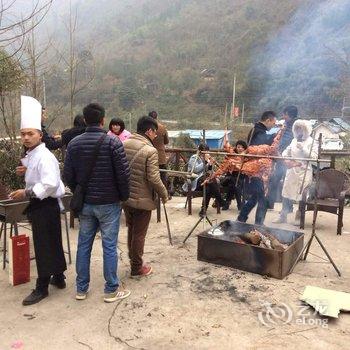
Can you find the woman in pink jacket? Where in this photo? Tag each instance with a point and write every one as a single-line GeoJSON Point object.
{"type": "Point", "coordinates": [117, 128]}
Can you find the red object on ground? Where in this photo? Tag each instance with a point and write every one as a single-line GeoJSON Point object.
{"type": "Point", "coordinates": [19, 260]}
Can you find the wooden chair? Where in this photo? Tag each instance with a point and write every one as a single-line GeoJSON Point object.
{"type": "Point", "coordinates": [194, 194]}
{"type": "Point", "coordinates": [330, 195]}
{"type": "Point", "coordinates": [3, 192]}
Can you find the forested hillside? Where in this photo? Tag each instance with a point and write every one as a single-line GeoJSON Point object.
{"type": "Point", "coordinates": [179, 56]}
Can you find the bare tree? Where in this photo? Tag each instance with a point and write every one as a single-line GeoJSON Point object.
{"type": "Point", "coordinates": [14, 33]}
{"type": "Point", "coordinates": [12, 79]}
{"type": "Point", "coordinates": [14, 28]}
{"type": "Point", "coordinates": [341, 57]}
{"type": "Point", "coordinates": [78, 63]}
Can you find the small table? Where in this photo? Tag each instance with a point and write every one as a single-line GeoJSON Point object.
{"type": "Point", "coordinates": [11, 212]}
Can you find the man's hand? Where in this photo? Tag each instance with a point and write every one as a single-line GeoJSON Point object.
{"type": "Point", "coordinates": [18, 195]}
{"type": "Point", "coordinates": [164, 200]}
{"type": "Point", "coordinates": [205, 182]}
{"type": "Point", "coordinates": [21, 170]}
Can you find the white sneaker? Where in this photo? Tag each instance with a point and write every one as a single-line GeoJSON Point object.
{"type": "Point", "coordinates": [117, 295]}
{"type": "Point", "coordinates": [81, 295]}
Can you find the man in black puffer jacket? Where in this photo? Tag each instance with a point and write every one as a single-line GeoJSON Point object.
{"type": "Point", "coordinates": [78, 128]}
{"type": "Point", "coordinates": [107, 186]}
{"type": "Point", "coordinates": [256, 193]}
{"type": "Point", "coordinates": [258, 134]}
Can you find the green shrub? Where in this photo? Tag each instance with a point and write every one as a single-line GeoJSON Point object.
{"type": "Point", "coordinates": [10, 156]}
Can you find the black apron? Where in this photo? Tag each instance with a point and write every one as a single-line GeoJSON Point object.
{"type": "Point", "coordinates": [44, 216]}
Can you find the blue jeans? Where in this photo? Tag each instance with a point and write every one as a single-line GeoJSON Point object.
{"type": "Point", "coordinates": [257, 196]}
{"type": "Point", "coordinates": [287, 207]}
{"type": "Point", "coordinates": [106, 218]}
{"type": "Point", "coordinates": [279, 172]}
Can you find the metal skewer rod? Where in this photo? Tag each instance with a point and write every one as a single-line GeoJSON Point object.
{"type": "Point", "coordinates": [184, 173]}
{"type": "Point", "coordinates": [268, 157]}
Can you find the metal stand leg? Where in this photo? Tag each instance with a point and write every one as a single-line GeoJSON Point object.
{"type": "Point", "coordinates": [204, 217]}
{"type": "Point", "coordinates": [5, 248]}
{"type": "Point", "coordinates": [307, 246]}
{"type": "Point", "coordinates": [328, 256]}
{"type": "Point", "coordinates": [15, 226]}
{"type": "Point", "coordinates": [193, 228]}
{"type": "Point", "coordinates": [67, 236]}
{"type": "Point", "coordinates": [1, 229]}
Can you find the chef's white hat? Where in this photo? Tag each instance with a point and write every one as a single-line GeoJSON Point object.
{"type": "Point", "coordinates": [30, 113]}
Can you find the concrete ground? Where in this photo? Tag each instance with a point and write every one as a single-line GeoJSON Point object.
{"type": "Point", "coordinates": [185, 303]}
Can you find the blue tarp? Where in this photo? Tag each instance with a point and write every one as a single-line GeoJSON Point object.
{"type": "Point", "coordinates": [214, 138]}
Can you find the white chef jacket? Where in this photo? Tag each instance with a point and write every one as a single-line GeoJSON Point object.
{"type": "Point", "coordinates": [43, 173]}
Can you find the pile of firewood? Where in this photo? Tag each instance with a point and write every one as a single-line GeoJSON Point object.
{"type": "Point", "coordinates": [264, 240]}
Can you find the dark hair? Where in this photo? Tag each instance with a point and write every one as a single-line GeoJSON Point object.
{"type": "Point", "coordinates": [267, 115]}
{"type": "Point", "coordinates": [153, 114]}
{"type": "Point", "coordinates": [242, 143]}
{"type": "Point", "coordinates": [93, 113]}
{"type": "Point", "coordinates": [203, 147]}
{"type": "Point", "coordinates": [117, 121]}
{"type": "Point", "coordinates": [145, 123]}
{"type": "Point", "coordinates": [292, 111]}
{"type": "Point", "coordinates": [79, 120]}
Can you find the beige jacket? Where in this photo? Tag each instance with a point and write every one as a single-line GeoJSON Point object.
{"type": "Point", "coordinates": [145, 180]}
{"type": "Point", "coordinates": [160, 141]}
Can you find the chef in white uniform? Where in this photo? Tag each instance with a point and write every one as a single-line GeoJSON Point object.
{"type": "Point", "coordinates": [44, 189]}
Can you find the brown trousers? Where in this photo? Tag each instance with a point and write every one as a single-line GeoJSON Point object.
{"type": "Point", "coordinates": [137, 221]}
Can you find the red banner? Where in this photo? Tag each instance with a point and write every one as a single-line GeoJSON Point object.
{"type": "Point", "coordinates": [235, 112]}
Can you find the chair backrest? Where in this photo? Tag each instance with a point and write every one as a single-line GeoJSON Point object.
{"type": "Point", "coordinates": [331, 183]}
{"type": "Point", "coordinates": [3, 192]}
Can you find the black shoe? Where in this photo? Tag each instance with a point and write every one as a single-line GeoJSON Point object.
{"type": "Point", "coordinates": [225, 206]}
{"type": "Point", "coordinates": [34, 297]}
{"type": "Point", "coordinates": [58, 281]}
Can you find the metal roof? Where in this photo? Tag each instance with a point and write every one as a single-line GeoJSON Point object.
{"type": "Point", "coordinates": [198, 134]}
{"type": "Point", "coordinates": [340, 122]}
{"type": "Point", "coordinates": [335, 129]}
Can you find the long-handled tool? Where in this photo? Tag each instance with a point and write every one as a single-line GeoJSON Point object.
{"type": "Point", "coordinates": [167, 225]}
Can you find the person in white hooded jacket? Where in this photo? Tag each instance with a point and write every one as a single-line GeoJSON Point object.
{"type": "Point", "coordinates": [302, 146]}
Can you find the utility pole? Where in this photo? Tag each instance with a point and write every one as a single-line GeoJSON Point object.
{"type": "Point", "coordinates": [233, 97]}
{"type": "Point", "coordinates": [225, 117]}
{"type": "Point", "coordinates": [242, 113]}
{"type": "Point", "coordinates": [44, 91]}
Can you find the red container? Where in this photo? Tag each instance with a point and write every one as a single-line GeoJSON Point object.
{"type": "Point", "coordinates": [19, 260]}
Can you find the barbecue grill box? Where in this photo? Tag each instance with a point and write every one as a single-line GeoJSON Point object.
{"type": "Point", "coordinates": [222, 250]}
{"type": "Point", "coordinates": [12, 211]}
